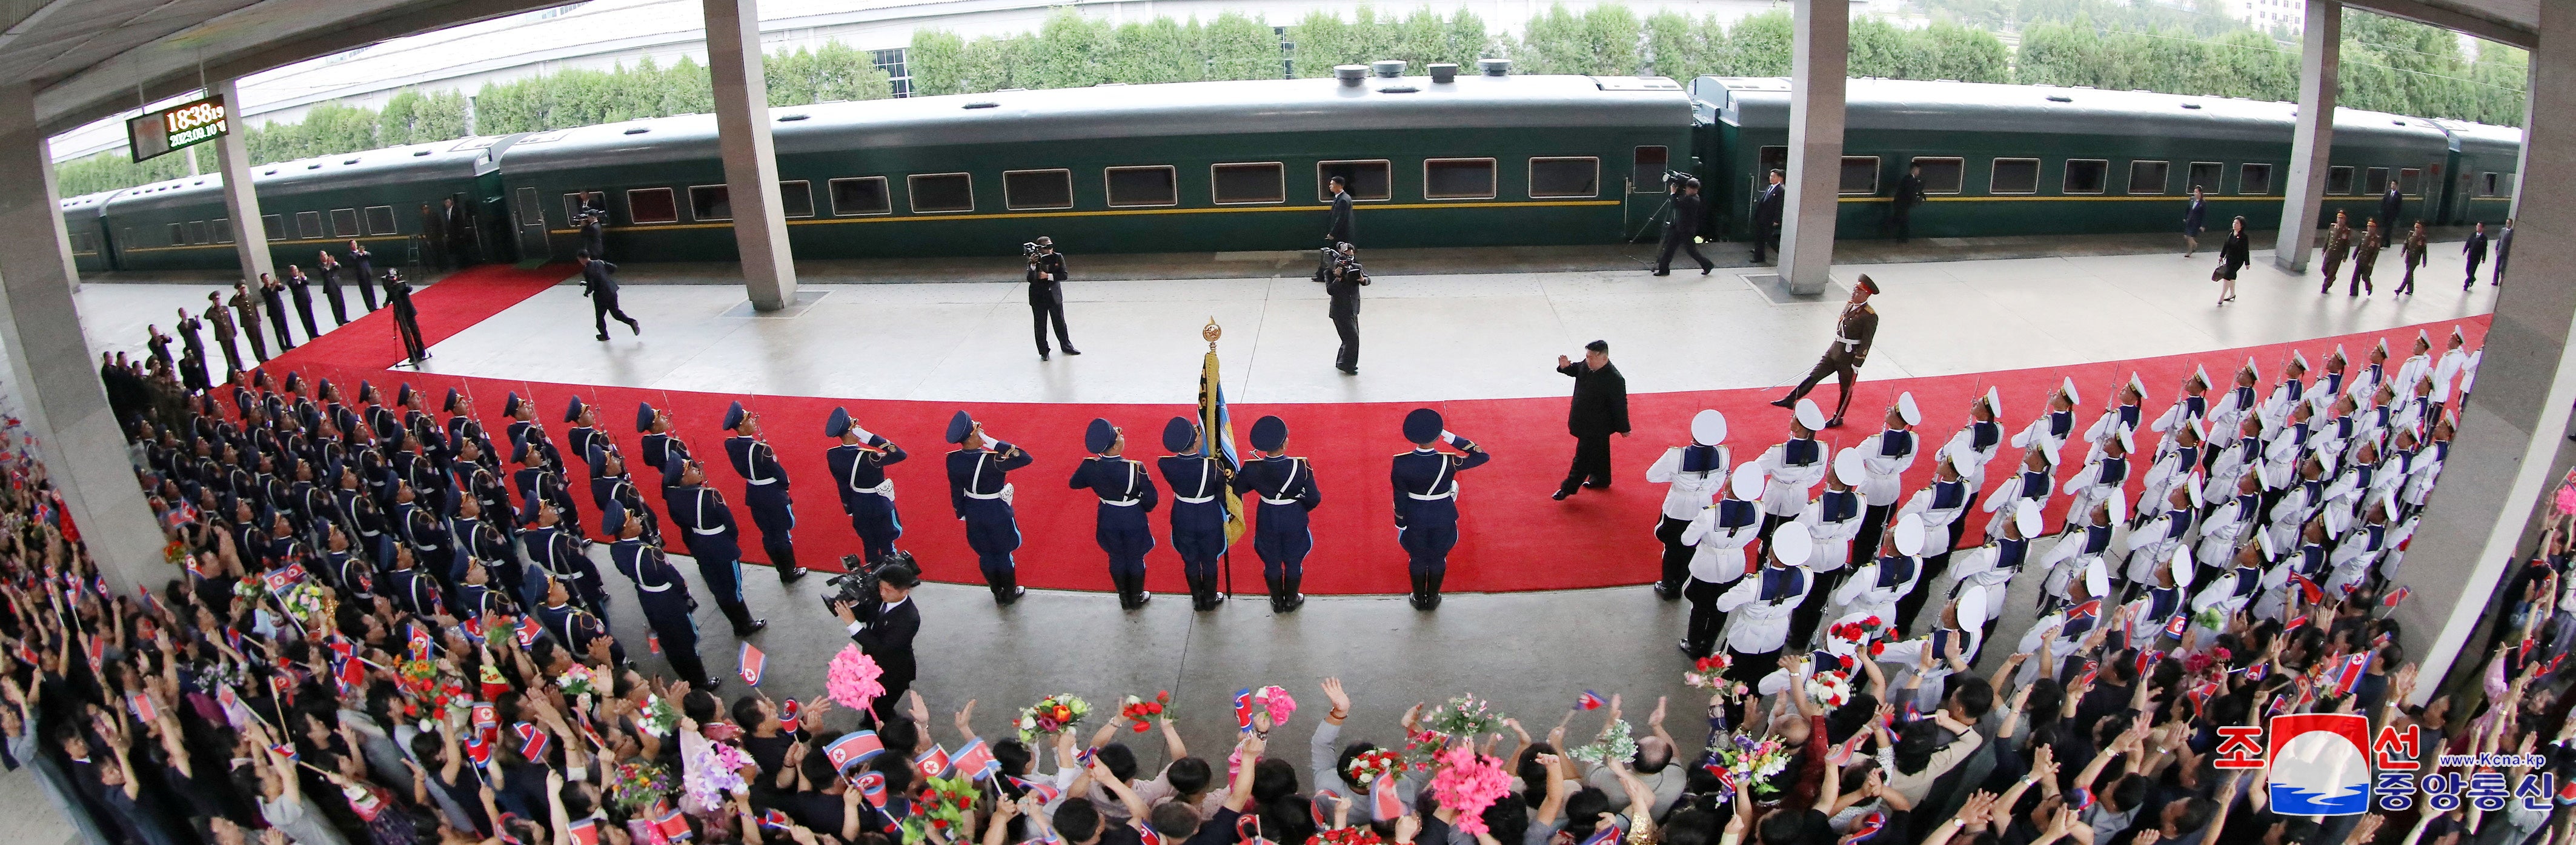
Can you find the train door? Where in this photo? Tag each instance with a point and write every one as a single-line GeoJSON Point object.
{"type": "Point", "coordinates": [529, 217]}
{"type": "Point", "coordinates": [1642, 205]}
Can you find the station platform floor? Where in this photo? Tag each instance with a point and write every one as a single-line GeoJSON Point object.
{"type": "Point", "coordinates": [1949, 327]}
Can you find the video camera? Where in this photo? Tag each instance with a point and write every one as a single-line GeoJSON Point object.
{"type": "Point", "coordinates": [1675, 180]}
{"type": "Point", "coordinates": [856, 586]}
{"type": "Point", "coordinates": [1028, 250]}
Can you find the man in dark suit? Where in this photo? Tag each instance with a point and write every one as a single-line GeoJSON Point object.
{"type": "Point", "coordinates": [1345, 278]}
{"type": "Point", "coordinates": [600, 284]}
{"type": "Point", "coordinates": [460, 234]}
{"type": "Point", "coordinates": [2389, 204]}
{"type": "Point", "coordinates": [2476, 250]}
{"type": "Point", "coordinates": [594, 224]}
{"type": "Point", "coordinates": [1766, 216]}
{"type": "Point", "coordinates": [1600, 409]}
{"type": "Point", "coordinates": [1909, 193]}
{"type": "Point", "coordinates": [1046, 295]}
{"type": "Point", "coordinates": [886, 635]}
{"type": "Point", "coordinates": [1337, 226]}
{"type": "Point", "coordinates": [1682, 231]}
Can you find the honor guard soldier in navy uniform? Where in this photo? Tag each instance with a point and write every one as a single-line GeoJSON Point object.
{"type": "Point", "coordinates": [1694, 473]}
{"type": "Point", "coordinates": [612, 484]}
{"type": "Point", "coordinates": [764, 490]}
{"type": "Point", "coordinates": [576, 627]}
{"type": "Point", "coordinates": [1425, 483]}
{"type": "Point", "coordinates": [537, 480]}
{"type": "Point", "coordinates": [552, 551]}
{"type": "Point", "coordinates": [1287, 489]}
{"type": "Point", "coordinates": [707, 530]}
{"type": "Point", "coordinates": [660, 591]}
{"type": "Point", "coordinates": [463, 427]}
{"type": "Point", "coordinates": [658, 447]}
{"type": "Point", "coordinates": [584, 435]}
{"type": "Point", "coordinates": [477, 539]}
{"type": "Point", "coordinates": [413, 589]}
{"type": "Point", "coordinates": [1127, 496]}
{"type": "Point", "coordinates": [858, 472]}
{"type": "Point", "coordinates": [524, 427]}
{"type": "Point", "coordinates": [1198, 479]}
{"type": "Point", "coordinates": [979, 488]}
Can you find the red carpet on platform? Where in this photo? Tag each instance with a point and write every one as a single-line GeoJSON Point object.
{"type": "Point", "coordinates": [1513, 536]}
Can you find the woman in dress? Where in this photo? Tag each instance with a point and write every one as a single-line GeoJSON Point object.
{"type": "Point", "coordinates": [2231, 258]}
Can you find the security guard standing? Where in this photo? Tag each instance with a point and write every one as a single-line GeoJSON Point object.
{"type": "Point", "coordinates": [1343, 279]}
{"type": "Point", "coordinates": [1287, 489]}
{"type": "Point", "coordinates": [1197, 478]}
{"type": "Point", "coordinates": [764, 490]}
{"type": "Point", "coordinates": [1046, 295]}
{"type": "Point", "coordinates": [979, 487]}
{"type": "Point", "coordinates": [1853, 332]}
{"type": "Point", "coordinates": [1425, 483]}
{"type": "Point", "coordinates": [1767, 210]}
{"type": "Point", "coordinates": [858, 472]}
{"type": "Point", "coordinates": [707, 530]}
{"type": "Point", "coordinates": [1127, 495]}
{"type": "Point", "coordinates": [660, 591]}
{"type": "Point", "coordinates": [1682, 230]}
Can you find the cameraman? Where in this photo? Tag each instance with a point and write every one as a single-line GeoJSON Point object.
{"type": "Point", "coordinates": [884, 630]}
{"type": "Point", "coordinates": [592, 220]}
{"type": "Point", "coordinates": [1682, 230]}
{"type": "Point", "coordinates": [1046, 293]}
{"type": "Point", "coordinates": [1343, 279]}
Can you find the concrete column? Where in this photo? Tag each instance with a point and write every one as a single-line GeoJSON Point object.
{"type": "Point", "coordinates": [241, 203]}
{"type": "Point", "coordinates": [2508, 437]}
{"type": "Point", "coordinates": [2320, 52]}
{"type": "Point", "coordinates": [51, 370]}
{"type": "Point", "coordinates": [2522, 159]}
{"type": "Point", "coordinates": [1818, 59]}
{"type": "Point", "coordinates": [750, 161]}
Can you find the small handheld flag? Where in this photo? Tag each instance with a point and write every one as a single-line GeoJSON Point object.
{"type": "Point", "coordinates": [2395, 596]}
{"type": "Point", "coordinates": [528, 630]}
{"type": "Point", "coordinates": [1384, 804]}
{"type": "Point", "coordinates": [1044, 792]}
{"type": "Point", "coordinates": [853, 748]}
{"type": "Point", "coordinates": [872, 786]}
{"type": "Point", "coordinates": [753, 661]}
{"type": "Point", "coordinates": [788, 713]}
{"type": "Point", "coordinates": [932, 763]}
{"type": "Point", "coordinates": [1590, 701]}
{"type": "Point", "coordinates": [2175, 626]}
{"type": "Point", "coordinates": [976, 760]}
{"type": "Point", "coordinates": [673, 826]}
{"type": "Point", "coordinates": [1243, 707]}
{"type": "Point", "coordinates": [653, 643]}
{"type": "Point", "coordinates": [776, 819]}
{"type": "Point", "coordinates": [478, 749]}
{"type": "Point", "coordinates": [533, 741]}
{"type": "Point", "coordinates": [584, 832]}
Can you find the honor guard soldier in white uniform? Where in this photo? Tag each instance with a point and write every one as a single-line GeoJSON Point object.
{"type": "Point", "coordinates": [2152, 616]}
{"type": "Point", "coordinates": [2083, 542]}
{"type": "Point", "coordinates": [707, 530]}
{"type": "Point", "coordinates": [1831, 520]}
{"type": "Point", "coordinates": [2105, 475]}
{"type": "Point", "coordinates": [1286, 489]}
{"type": "Point", "coordinates": [1693, 475]}
{"type": "Point", "coordinates": [1719, 533]}
{"type": "Point", "coordinates": [1874, 588]}
{"type": "Point", "coordinates": [2304, 497]}
{"type": "Point", "coordinates": [2191, 406]}
{"type": "Point", "coordinates": [1953, 644]}
{"type": "Point", "coordinates": [2373, 374]}
{"type": "Point", "coordinates": [1425, 484]}
{"type": "Point", "coordinates": [1758, 606]}
{"type": "Point", "coordinates": [2063, 630]}
{"type": "Point", "coordinates": [2241, 458]}
{"type": "Point", "coordinates": [2357, 552]}
{"type": "Point", "coordinates": [2329, 385]}
{"type": "Point", "coordinates": [2034, 484]}
{"type": "Point", "coordinates": [858, 465]}
{"type": "Point", "coordinates": [764, 490]}
{"type": "Point", "coordinates": [2231, 592]}
{"type": "Point", "coordinates": [979, 488]}
{"type": "Point", "coordinates": [1793, 466]}
{"type": "Point", "coordinates": [1979, 440]}
{"type": "Point", "coordinates": [2127, 412]}
{"type": "Point", "coordinates": [2227, 416]}
{"type": "Point", "coordinates": [2056, 425]}
{"type": "Point", "coordinates": [2233, 523]}
{"type": "Point", "coordinates": [1941, 505]}
{"type": "Point", "coordinates": [1198, 479]}
{"type": "Point", "coordinates": [2291, 393]}
{"type": "Point", "coordinates": [2447, 370]}
{"type": "Point", "coordinates": [1887, 455]}
{"type": "Point", "coordinates": [1994, 565]}
{"type": "Point", "coordinates": [2152, 543]}
{"type": "Point", "coordinates": [1127, 501]}
{"type": "Point", "coordinates": [2176, 459]}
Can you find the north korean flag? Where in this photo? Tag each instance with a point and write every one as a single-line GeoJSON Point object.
{"type": "Point", "coordinates": [1384, 804]}
{"type": "Point", "coordinates": [853, 749]}
{"type": "Point", "coordinates": [2174, 627]}
{"type": "Point", "coordinates": [528, 630]}
{"type": "Point", "coordinates": [1590, 701]}
{"type": "Point", "coordinates": [672, 825]}
{"type": "Point", "coordinates": [753, 663]}
{"type": "Point", "coordinates": [1044, 792]}
{"type": "Point", "coordinates": [788, 711]}
{"type": "Point", "coordinates": [872, 786]}
{"type": "Point", "coordinates": [975, 760]}
{"type": "Point", "coordinates": [2395, 596]}
{"type": "Point", "coordinates": [478, 749]}
{"type": "Point", "coordinates": [932, 763]}
{"type": "Point", "coordinates": [2347, 673]}
{"type": "Point", "coordinates": [585, 832]}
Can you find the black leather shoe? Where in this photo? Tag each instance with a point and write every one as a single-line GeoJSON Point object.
{"type": "Point", "coordinates": [604, 335]}
{"type": "Point", "coordinates": [1687, 651]}
{"type": "Point", "coordinates": [1784, 402]}
{"type": "Point", "coordinates": [1704, 270]}
{"type": "Point", "coordinates": [1836, 422]}
{"type": "Point", "coordinates": [756, 626]}
{"type": "Point", "coordinates": [1072, 351]}
{"type": "Point", "coordinates": [1663, 273]}
{"type": "Point", "coordinates": [713, 684]}
{"type": "Point", "coordinates": [790, 576]}
{"type": "Point", "coordinates": [1042, 356]}
{"type": "Point", "coordinates": [1560, 494]}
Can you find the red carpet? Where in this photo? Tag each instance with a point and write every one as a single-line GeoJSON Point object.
{"type": "Point", "coordinates": [1514, 536]}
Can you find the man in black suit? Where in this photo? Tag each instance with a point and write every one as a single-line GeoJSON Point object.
{"type": "Point", "coordinates": [1046, 295]}
{"type": "Point", "coordinates": [1337, 226]}
{"type": "Point", "coordinates": [2476, 251]}
{"type": "Point", "coordinates": [2389, 204]}
{"type": "Point", "coordinates": [1766, 216]}
{"type": "Point", "coordinates": [1682, 231]}
{"type": "Point", "coordinates": [599, 282]}
{"type": "Point", "coordinates": [1600, 409]}
{"type": "Point", "coordinates": [460, 234]}
{"type": "Point", "coordinates": [886, 635]}
{"type": "Point", "coordinates": [1346, 277]}
{"type": "Point", "coordinates": [1900, 209]}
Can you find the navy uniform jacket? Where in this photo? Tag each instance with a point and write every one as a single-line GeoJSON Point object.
{"type": "Point", "coordinates": [478, 481]}
{"type": "Point", "coordinates": [1120, 483]}
{"type": "Point", "coordinates": [1426, 483]}
{"type": "Point", "coordinates": [755, 462]}
{"type": "Point", "coordinates": [572, 625]}
{"type": "Point", "coordinates": [416, 591]}
{"type": "Point", "coordinates": [359, 513]}
{"type": "Point", "coordinates": [702, 513]}
{"type": "Point", "coordinates": [860, 470]}
{"type": "Point", "coordinates": [354, 574]}
{"type": "Point", "coordinates": [535, 434]}
{"type": "Point", "coordinates": [551, 549]}
{"type": "Point", "coordinates": [582, 437]}
{"type": "Point", "coordinates": [658, 585]}
{"type": "Point", "coordinates": [383, 422]}
{"type": "Point", "coordinates": [981, 473]}
{"type": "Point", "coordinates": [660, 449]}
{"type": "Point", "coordinates": [535, 482]}
{"type": "Point", "coordinates": [1287, 490]}
{"type": "Point", "coordinates": [1197, 480]}
{"type": "Point", "coordinates": [427, 533]}
{"type": "Point", "coordinates": [476, 600]}
{"type": "Point", "coordinates": [618, 488]}
{"type": "Point", "coordinates": [461, 428]}
{"type": "Point", "coordinates": [480, 538]}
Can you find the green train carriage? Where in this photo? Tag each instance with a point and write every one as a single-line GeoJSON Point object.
{"type": "Point", "coordinates": [307, 206]}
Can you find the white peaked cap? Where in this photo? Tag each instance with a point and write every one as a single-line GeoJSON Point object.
{"type": "Point", "coordinates": [2381, 346]}
{"type": "Point", "coordinates": [2201, 374]}
{"type": "Point", "coordinates": [2193, 485]}
{"type": "Point", "coordinates": [2119, 503]}
{"type": "Point", "coordinates": [1909, 534]}
{"type": "Point", "coordinates": [2067, 386]}
{"type": "Point", "coordinates": [1906, 410]}
{"type": "Point", "coordinates": [1810, 416]}
{"type": "Point", "coordinates": [1791, 544]}
{"type": "Point", "coordinates": [2251, 367]}
{"type": "Point", "coordinates": [2026, 518]}
{"type": "Point", "coordinates": [2097, 581]}
{"type": "Point", "coordinates": [2457, 332]}
{"type": "Point", "coordinates": [1972, 607]}
{"type": "Point", "coordinates": [2049, 447]}
{"type": "Point", "coordinates": [2301, 358]}
{"type": "Point", "coordinates": [2128, 438]}
{"type": "Point", "coordinates": [2271, 550]}
{"type": "Point", "coordinates": [2181, 565]}
{"type": "Point", "coordinates": [1995, 402]}
{"type": "Point", "coordinates": [2137, 385]}
{"type": "Point", "coordinates": [1747, 481]}
{"type": "Point", "coordinates": [1708, 428]}
{"type": "Point", "coordinates": [1963, 460]}
{"type": "Point", "coordinates": [1848, 466]}
{"type": "Point", "coordinates": [2424, 337]}
{"type": "Point", "coordinates": [2339, 356]}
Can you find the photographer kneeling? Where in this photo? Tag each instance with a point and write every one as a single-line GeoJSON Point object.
{"type": "Point", "coordinates": [883, 625]}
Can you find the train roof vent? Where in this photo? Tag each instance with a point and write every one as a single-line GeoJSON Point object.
{"type": "Point", "coordinates": [2060, 98]}
{"type": "Point", "coordinates": [198, 182]}
{"type": "Point", "coordinates": [787, 118]}
{"type": "Point", "coordinates": [1387, 68]}
{"type": "Point", "coordinates": [2398, 122]}
{"type": "Point", "coordinates": [314, 166]}
{"type": "Point", "coordinates": [1398, 89]}
{"type": "Point", "coordinates": [1351, 75]}
{"type": "Point", "coordinates": [2191, 105]}
{"type": "Point", "coordinates": [1635, 83]}
{"type": "Point", "coordinates": [1494, 67]}
{"type": "Point", "coordinates": [638, 130]}
{"type": "Point", "coordinates": [1443, 73]}
{"type": "Point", "coordinates": [419, 153]}
{"type": "Point", "coordinates": [981, 104]}
{"type": "Point", "coordinates": [269, 172]}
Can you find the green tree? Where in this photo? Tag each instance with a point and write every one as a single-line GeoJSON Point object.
{"type": "Point", "coordinates": [1674, 46]}
{"type": "Point", "coordinates": [937, 61]}
{"type": "Point", "coordinates": [1758, 45]}
{"type": "Point", "coordinates": [1241, 47]}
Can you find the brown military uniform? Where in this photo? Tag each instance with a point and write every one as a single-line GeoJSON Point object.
{"type": "Point", "coordinates": [1844, 357]}
{"type": "Point", "coordinates": [2338, 245]}
{"type": "Point", "coordinates": [248, 306]}
{"type": "Point", "coordinates": [2364, 257]}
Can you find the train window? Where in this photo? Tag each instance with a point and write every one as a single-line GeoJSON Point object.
{"type": "Point", "coordinates": [796, 199]}
{"type": "Point", "coordinates": [1458, 179]}
{"type": "Point", "coordinates": [1650, 164]}
{"type": "Point", "coordinates": [2410, 181]}
{"type": "Point", "coordinates": [1860, 175]}
{"type": "Point", "coordinates": [2014, 176]}
{"type": "Point", "coordinates": [710, 202]}
{"type": "Point", "coordinates": [652, 205]}
{"type": "Point", "coordinates": [2377, 182]}
{"type": "Point", "coordinates": [1028, 189]}
{"type": "Point", "coordinates": [573, 204]}
{"type": "Point", "coordinates": [2487, 183]}
{"type": "Point", "coordinates": [222, 230]}
{"type": "Point", "coordinates": [863, 195]}
{"type": "Point", "coordinates": [2339, 180]}
{"type": "Point", "coordinates": [1564, 177]}
{"type": "Point", "coordinates": [274, 226]}
{"type": "Point", "coordinates": [80, 243]}
{"type": "Point", "coordinates": [2150, 177]}
{"type": "Point", "coordinates": [196, 231]}
{"type": "Point", "coordinates": [941, 192]}
{"type": "Point", "coordinates": [1150, 185]}
{"type": "Point", "coordinates": [178, 234]}
{"type": "Point", "coordinates": [1369, 180]}
{"type": "Point", "coordinates": [308, 225]}
{"type": "Point", "coordinates": [2205, 176]}
{"type": "Point", "coordinates": [2086, 176]}
{"type": "Point", "coordinates": [2254, 179]}
{"type": "Point", "coordinates": [1942, 174]}
{"type": "Point", "coordinates": [1249, 183]}
{"type": "Point", "coordinates": [380, 220]}
{"type": "Point", "coordinates": [344, 222]}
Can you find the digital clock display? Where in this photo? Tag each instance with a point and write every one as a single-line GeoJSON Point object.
{"type": "Point", "coordinates": [177, 127]}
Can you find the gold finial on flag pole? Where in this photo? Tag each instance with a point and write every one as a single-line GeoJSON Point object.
{"type": "Point", "coordinates": [1211, 331]}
